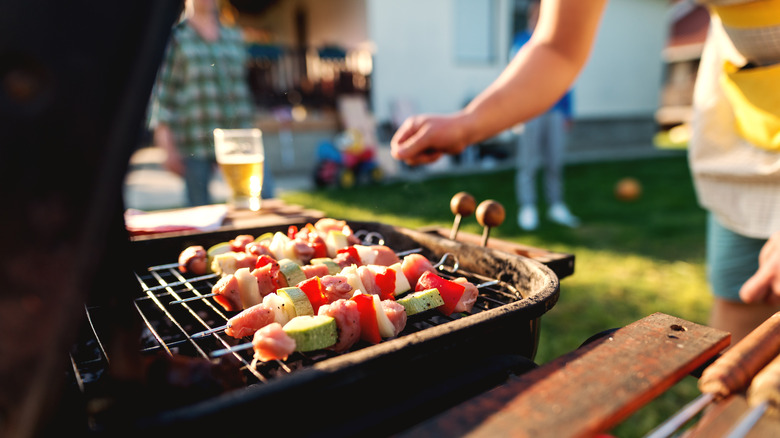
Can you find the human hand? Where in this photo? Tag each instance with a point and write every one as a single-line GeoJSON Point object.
{"type": "Point", "coordinates": [764, 285]}
{"type": "Point", "coordinates": [424, 139]}
{"type": "Point", "coordinates": [174, 162]}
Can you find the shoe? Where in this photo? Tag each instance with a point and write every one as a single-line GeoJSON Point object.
{"type": "Point", "coordinates": [528, 218]}
{"type": "Point", "coordinates": [560, 214]}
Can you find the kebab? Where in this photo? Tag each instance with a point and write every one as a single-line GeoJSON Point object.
{"type": "Point", "coordinates": [310, 294]}
{"type": "Point", "coordinates": [321, 239]}
{"type": "Point", "coordinates": [336, 326]}
{"type": "Point", "coordinates": [236, 291]}
{"type": "Point", "coordinates": [731, 373]}
{"type": "Point", "coordinates": [308, 297]}
{"type": "Point", "coordinates": [229, 263]}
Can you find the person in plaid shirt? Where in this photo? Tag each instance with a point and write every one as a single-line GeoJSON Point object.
{"type": "Point", "coordinates": [202, 85]}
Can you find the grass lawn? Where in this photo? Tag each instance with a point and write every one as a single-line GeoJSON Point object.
{"type": "Point", "coordinates": [631, 258]}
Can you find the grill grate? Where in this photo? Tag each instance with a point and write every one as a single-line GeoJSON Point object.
{"type": "Point", "coordinates": [171, 327]}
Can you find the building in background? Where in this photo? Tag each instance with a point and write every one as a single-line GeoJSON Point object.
{"type": "Point", "coordinates": [407, 56]}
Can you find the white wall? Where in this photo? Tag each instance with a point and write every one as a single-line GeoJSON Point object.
{"type": "Point", "coordinates": [624, 73]}
{"type": "Point", "coordinates": [414, 58]}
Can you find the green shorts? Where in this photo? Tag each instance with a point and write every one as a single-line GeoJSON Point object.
{"type": "Point", "coordinates": [731, 259]}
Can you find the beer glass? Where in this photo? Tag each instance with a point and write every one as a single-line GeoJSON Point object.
{"type": "Point", "coordinates": [240, 156]}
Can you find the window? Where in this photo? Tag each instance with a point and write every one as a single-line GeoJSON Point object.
{"type": "Point", "coordinates": [475, 31]}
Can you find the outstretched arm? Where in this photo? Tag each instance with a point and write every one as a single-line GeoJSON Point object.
{"type": "Point", "coordinates": [540, 73]}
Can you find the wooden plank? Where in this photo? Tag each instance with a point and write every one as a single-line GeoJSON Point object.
{"type": "Point", "coordinates": [274, 212]}
{"type": "Point", "coordinates": [589, 390]}
{"type": "Point", "coordinates": [560, 263]}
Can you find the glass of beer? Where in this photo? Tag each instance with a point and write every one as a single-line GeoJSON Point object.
{"type": "Point", "coordinates": [240, 156]}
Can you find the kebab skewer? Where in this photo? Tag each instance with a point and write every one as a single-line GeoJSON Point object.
{"type": "Point", "coordinates": [235, 291]}
{"type": "Point", "coordinates": [730, 374]}
{"type": "Point", "coordinates": [310, 295]}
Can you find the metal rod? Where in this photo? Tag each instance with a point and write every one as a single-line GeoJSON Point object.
{"type": "Point", "coordinates": [197, 297]}
{"type": "Point", "coordinates": [209, 331]}
{"type": "Point", "coordinates": [748, 420]}
{"type": "Point", "coordinates": [233, 349]}
{"type": "Point", "coordinates": [684, 415]}
{"type": "Point", "coordinates": [181, 282]}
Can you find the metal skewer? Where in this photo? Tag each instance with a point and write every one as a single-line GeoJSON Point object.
{"type": "Point", "coordinates": [749, 420]}
{"type": "Point", "coordinates": [668, 427]}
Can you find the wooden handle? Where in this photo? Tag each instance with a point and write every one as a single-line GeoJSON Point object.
{"type": "Point", "coordinates": [765, 387]}
{"type": "Point", "coordinates": [490, 213]}
{"type": "Point", "coordinates": [463, 204]}
{"type": "Point", "coordinates": [733, 371]}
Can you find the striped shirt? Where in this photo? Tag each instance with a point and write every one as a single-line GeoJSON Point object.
{"type": "Point", "coordinates": [202, 86]}
{"type": "Point", "coordinates": [735, 180]}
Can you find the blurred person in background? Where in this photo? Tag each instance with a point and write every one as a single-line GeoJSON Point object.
{"type": "Point", "coordinates": [542, 144]}
{"type": "Point", "coordinates": [202, 85]}
{"type": "Point", "coordinates": [733, 152]}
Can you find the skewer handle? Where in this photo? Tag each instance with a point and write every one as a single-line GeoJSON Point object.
{"type": "Point", "coordinates": [490, 213]}
{"type": "Point", "coordinates": [461, 205]}
{"type": "Point", "coordinates": [735, 369]}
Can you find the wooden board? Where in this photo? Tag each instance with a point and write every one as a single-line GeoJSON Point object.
{"type": "Point", "coordinates": [560, 263]}
{"type": "Point", "coordinates": [274, 212]}
{"type": "Point", "coordinates": [589, 390]}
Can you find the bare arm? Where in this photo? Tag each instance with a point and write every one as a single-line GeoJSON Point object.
{"type": "Point", "coordinates": [539, 74]}
{"type": "Point", "coordinates": [164, 139]}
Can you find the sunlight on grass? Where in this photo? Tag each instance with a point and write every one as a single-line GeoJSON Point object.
{"type": "Point", "coordinates": [632, 259]}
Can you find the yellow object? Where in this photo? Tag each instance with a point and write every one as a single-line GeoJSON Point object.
{"type": "Point", "coordinates": [750, 14]}
{"type": "Point", "coordinates": [754, 94]}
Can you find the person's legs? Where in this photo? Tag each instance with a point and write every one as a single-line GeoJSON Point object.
{"type": "Point", "coordinates": [554, 150]}
{"type": "Point", "coordinates": [527, 163]}
{"type": "Point", "coordinates": [197, 177]}
{"type": "Point", "coordinates": [731, 260]}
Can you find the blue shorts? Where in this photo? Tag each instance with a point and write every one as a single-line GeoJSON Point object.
{"type": "Point", "coordinates": [731, 259]}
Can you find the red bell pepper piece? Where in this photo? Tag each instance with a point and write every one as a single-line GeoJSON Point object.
{"type": "Point", "coordinates": [385, 280]}
{"type": "Point", "coordinates": [369, 327]}
{"type": "Point", "coordinates": [292, 230]}
{"type": "Point", "coordinates": [313, 289]}
{"type": "Point", "coordinates": [353, 253]}
{"type": "Point", "coordinates": [450, 291]}
{"type": "Point", "coordinates": [277, 280]}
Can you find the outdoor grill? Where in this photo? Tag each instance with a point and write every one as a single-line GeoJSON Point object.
{"type": "Point", "coordinates": [378, 389]}
{"type": "Point", "coordinates": [74, 282]}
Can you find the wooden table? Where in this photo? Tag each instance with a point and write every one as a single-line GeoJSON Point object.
{"type": "Point", "coordinates": [589, 390]}
{"type": "Point", "coordinates": [274, 212]}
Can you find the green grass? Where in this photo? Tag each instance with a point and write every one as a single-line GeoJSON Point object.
{"type": "Point", "coordinates": [631, 258]}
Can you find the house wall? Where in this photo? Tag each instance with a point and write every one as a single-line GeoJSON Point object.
{"type": "Point", "coordinates": [414, 58]}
